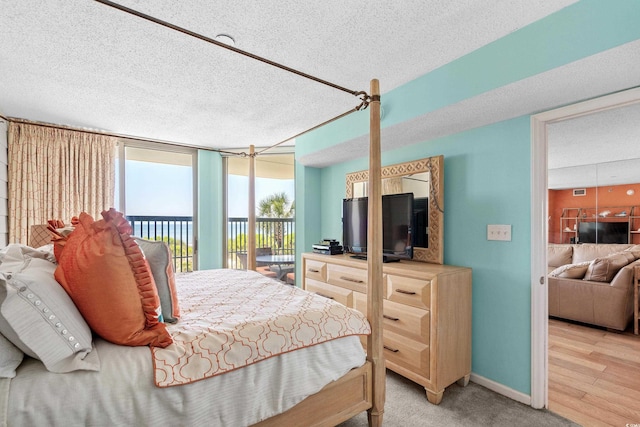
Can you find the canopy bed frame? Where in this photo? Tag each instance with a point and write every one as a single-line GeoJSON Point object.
{"type": "Point", "coordinates": [362, 388]}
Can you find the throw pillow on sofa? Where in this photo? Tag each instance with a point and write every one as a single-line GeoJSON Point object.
{"type": "Point", "coordinates": [634, 250]}
{"type": "Point", "coordinates": [604, 269]}
{"type": "Point", "coordinates": [571, 271]}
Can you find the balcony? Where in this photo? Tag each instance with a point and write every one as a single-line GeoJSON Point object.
{"type": "Point", "coordinates": [275, 233]}
{"type": "Point", "coordinates": [177, 231]}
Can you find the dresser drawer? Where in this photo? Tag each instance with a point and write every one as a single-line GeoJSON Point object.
{"type": "Point", "coordinates": [409, 291]}
{"type": "Point", "coordinates": [410, 322]}
{"type": "Point", "coordinates": [341, 295]}
{"type": "Point", "coordinates": [316, 270]}
{"type": "Point", "coordinates": [347, 277]}
{"type": "Point", "coordinates": [406, 353]}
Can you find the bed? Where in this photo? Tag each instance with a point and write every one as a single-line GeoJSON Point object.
{"type": "Point", "coordinates": [97, 329]}
{"type": "Point", "coordinates": [320, 383]}
{"type": "Point", "coordinates": [127, 387]}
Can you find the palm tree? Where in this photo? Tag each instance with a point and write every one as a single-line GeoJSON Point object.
{"type": "Point", "coordinates": [276, 205]}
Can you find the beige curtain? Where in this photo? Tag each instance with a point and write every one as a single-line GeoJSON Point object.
{"type": "Point", "coordinates": [56, 174]}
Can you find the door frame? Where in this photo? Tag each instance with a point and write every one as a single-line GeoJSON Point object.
{"type": "Point", "coordinates": [539, 228]}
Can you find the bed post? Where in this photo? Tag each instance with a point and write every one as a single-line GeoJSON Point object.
{"type": "Point", "coordinates": [251, 237]}
{"type": "Point", "coordinates": [374, 262]}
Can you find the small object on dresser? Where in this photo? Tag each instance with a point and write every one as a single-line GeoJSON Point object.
{"type": "Point", "coordinates": [327, 247]}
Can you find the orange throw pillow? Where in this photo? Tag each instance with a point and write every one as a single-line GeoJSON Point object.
{"type": "Point", "coordinates": [106, 275]}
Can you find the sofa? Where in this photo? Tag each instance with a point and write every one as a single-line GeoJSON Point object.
{"type": "Point", "coordinates": [592, 283]}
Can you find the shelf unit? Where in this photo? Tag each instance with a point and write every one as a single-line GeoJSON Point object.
{"type": "Point", "coordinates": [634, 225]}
{"type": "Point", "coordinates": [569, 221]}
{"type": "Point", "coordinates": [572, 217]}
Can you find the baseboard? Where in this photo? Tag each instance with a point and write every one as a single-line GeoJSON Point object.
{"type": "Point", "coordinates": [501, 389]}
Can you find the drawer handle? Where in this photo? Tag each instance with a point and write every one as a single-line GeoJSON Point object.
{"type": "Point", "coordinates": [349, 279]}
{"type": "Point", "coordinates": [395, 350]}
{"type": "Point", "coordinates": [323, 295]}
{"type": "Point", "coordinates": [311, 270]}
{"type": "Point", "coordinates": [395, 319]}
{"type": "Point", "coordinates": [402, 291]}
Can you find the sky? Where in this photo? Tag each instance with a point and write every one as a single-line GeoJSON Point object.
{"type": "Point", "coordinates": [158, 189]}
{"type": "Point", "coordinates": [155, 189]}
{"type": "Point", "coordinates": [239, 189]}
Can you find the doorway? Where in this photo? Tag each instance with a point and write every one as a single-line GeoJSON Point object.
{"type": "Point", "coordinates": [540, 227]}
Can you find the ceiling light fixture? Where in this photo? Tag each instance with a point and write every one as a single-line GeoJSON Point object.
{"type": "Point", "coordinates": [226, 39]}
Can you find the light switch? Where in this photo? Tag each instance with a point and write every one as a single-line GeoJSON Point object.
{"type": "Point", "coordinates": [499, 232]}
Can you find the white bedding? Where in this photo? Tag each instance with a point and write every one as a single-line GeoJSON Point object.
{"type": "Point", "coordinates": [123, 390]}
{"type": "Point", "coordinates": [123, 393]}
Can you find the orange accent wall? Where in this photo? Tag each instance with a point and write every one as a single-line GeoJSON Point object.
{"type": "Point", "coordinates": [601, 198]}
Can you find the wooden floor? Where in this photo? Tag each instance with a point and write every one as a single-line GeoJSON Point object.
{"type": "Point", "coordinates": [594, 375]}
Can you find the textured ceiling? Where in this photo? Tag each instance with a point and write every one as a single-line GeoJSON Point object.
{"type": "Point", "coordinates": [81, 63]}
{"type": "Point", "coordinates": [599, 149]}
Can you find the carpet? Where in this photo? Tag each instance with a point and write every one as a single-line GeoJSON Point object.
{"type": "Point", "coordinates": [406, 405]}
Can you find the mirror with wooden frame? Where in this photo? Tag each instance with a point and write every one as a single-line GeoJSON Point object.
{"type": "Point", "coordinates": [425, 179]}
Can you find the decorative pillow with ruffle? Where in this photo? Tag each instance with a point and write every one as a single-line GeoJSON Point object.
{"type": "Point", "coordinates": [106, 275]}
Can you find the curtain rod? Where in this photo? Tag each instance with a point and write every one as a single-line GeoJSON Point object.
{"type": "Point", "coordinates": [116, 135]}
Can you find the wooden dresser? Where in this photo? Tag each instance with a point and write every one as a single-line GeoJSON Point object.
{"type": "Point", "coordinates": [427, 314]}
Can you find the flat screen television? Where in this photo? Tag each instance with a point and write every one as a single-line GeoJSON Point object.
{"type": "Point", "coordinates": [603, 232]}
{"type": "Point", "coordinates": [397, 226]}
{"type": "Point", "coordinates": [354, 225]}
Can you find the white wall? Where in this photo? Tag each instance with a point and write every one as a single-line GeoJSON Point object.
{"type": "Point", "coordinates": [4, 235]}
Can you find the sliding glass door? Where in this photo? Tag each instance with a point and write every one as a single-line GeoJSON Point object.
{"type": "Point", "coordinates": [157, 194]}
{"type": "Point", "coordinates": [275, 207]}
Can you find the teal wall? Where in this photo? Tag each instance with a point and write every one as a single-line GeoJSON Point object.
{"type": "Point", "coordinates": [308, 212]}
{"type": "Point", "coordinates": [487, 171]}
{"type": "Point", "coordinates": [210, 210]}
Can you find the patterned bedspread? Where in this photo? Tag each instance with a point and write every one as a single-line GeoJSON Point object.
{"type": "Point", "coordinates": [233, 318]}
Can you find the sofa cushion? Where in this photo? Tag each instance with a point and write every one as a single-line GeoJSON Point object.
{"type": "Point", "coordinates": [605, 268]}
{"type": "Point", "coordinates": [590, 251]}
{"type": "Point", "coordinates": [571, 271]}
{"type": "Point", "coordinates": [558, 255]}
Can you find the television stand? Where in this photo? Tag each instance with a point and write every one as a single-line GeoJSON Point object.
{"type": "Point", "coordinates": [384, 258]}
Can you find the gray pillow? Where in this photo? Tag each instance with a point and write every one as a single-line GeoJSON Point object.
{"type": "Point", "coordinates": [10, 358]}
{"type": "Point", "coordinates": [158, 256]}
{"type": "Point", "coordinates": [39, 318]}
{"type": "Point", "coordinates": [605, 269]}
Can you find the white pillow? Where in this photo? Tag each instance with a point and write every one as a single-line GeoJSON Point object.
{"type": "Point", "coordinates": [10, 358]}
{"type": "Point", "coordinates": [38, 317]}
{"type": "Point", "coordinates": [571, 271]}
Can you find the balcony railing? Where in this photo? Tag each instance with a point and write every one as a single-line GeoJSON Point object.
{"type": "Point", "coordinates": [176, 231]}
{"type": "Point", "coordinates": [275, 233]}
